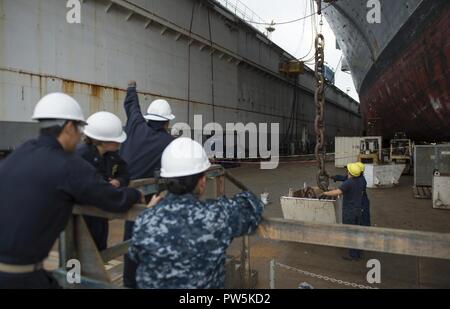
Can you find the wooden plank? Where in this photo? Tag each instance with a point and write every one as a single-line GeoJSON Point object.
{"type": "Point", "coordinates": [403, 242]}
{"type": "Point", "coordinates": [245, 262]}
{"type": "Point", "coordinates": [66, 245]}
{"type": "Point", "coordinates": [91, 262]}
{"type": "Point", "coordinates": [86, 283]}
{"type": "Point", "coordinates": [219, 188]}
{"type": "Point", "coordinates": [115, 251]}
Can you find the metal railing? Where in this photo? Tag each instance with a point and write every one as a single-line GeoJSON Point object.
{"type": "Point", "coordinates": [245, 13]}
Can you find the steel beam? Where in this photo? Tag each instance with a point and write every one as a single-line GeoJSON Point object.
{"type": "Point", "coordinates": [403, 242]}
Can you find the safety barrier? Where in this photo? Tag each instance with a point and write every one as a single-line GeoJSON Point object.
{"type": "Point", "coordinates": [76, 242]}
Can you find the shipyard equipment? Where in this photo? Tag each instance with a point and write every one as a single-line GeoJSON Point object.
{"type": "Point", "coordinates": [401, 151]}
{"type": "Point", "coordinates": [370, 150]}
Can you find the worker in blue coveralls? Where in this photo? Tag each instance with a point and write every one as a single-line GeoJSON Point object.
{"type": "Point", "coordinates": [181, 243]}
{"type": "Point", "coordinates": [365, 202]}
{"type": "Point", "coordinates": [40, 183]}
{"type": "Point", "coordinates": [103, 136]}
{"type": "Point", "coordinates": [352, 191]}
{"type": "Point", "coordinates": [147, 138]}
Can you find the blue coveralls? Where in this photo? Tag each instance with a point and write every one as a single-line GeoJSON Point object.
{"type": "Point", "coordinates": [39, 185]}
{"type": "Point", "coordinates": [353, 190]}
{"type": "Point", "coordinates": [365, 200]}
{"type": "Point", "coordinates": [109, 166]}
{"type": "Point", "coordinates": [142, 151]}
{"type": "Point", "coordinates": [182, 242]}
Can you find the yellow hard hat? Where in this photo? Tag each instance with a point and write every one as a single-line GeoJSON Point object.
{"type": "Point", "coordinates": [354, 169]}
{"type": "Point", "coordinates": [362, 166]}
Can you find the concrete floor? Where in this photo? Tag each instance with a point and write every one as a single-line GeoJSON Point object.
{"type": "Point", "coordinates": [392, 208]}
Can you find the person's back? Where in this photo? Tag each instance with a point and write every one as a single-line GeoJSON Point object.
{"type": "Point", "coordinates": [182, 242]}
{"type": "Point", "coordinates": [103, 136]}
{"type": "Point", "coordinates": [353, 189]}
{"type": "Point", "coordinates": [36, 192]}
{"type": "Point", "coordinates": [41, 181]}
{"type": "Point", "coordinates": [146, 141]}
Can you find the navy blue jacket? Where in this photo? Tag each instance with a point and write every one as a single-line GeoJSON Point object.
{"type": "Point", "coordinates": [39, 185]}
{"type": "Point", "coordinates": [365, 199]}
{"type": "Point", "coordinates": [146, 141]}
{"type": "Point", "coordinates": [110, 165]}
{"type": "Point", "coordinates": [353, 190]}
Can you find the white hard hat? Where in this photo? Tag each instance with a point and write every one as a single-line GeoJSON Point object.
{"type": "Point", "coordinates": [159, 110]}
{"type": "Point", "coordinates": [105, 127]}
{"type": "Point", "coordinates": [174, 132]}
{"type": "Point", "coordinates": [183, 157]}
{"type": "Point", "coordinates": [58, 106]}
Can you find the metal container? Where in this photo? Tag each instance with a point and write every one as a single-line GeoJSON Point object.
{"type": "Point", "coordinates": [312, 210]}
{"type": "Point", "coordinates": [346, 150]}
{"type": "Point", "coordinates": [441, 191]}
{"type": "Point", "coordinates": [427, 160]}
{"type": "Point", "coordinates": [383, 176]}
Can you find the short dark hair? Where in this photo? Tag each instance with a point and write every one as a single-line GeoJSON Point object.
{"type": "Point", "coordinates": [56, 130]}
{"type": "Point", "coordinates": [53, 131]}
{"type": "Point", "coordinates": [183, 185]}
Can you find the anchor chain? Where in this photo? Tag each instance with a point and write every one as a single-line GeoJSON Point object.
{"type": "Point", "coordinates": [323, 178]}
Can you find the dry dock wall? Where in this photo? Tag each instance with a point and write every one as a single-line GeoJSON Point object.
{"type": "Point", "coordinates": [194, 53]}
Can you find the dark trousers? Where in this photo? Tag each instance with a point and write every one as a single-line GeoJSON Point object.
{"type": "Point", "coordinates": [99, 228]}
{"type": "Point", "coordinates": [366, 212]}
{"type": "Point", "coordinates": [36, 280]}
{"type": "Point", "coordinates": [129, 267]}
{"type": "Point", "coordinates": [353, 216]}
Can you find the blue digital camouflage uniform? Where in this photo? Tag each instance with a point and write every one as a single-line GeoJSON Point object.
{"type": "Point", "coordinates": [181, 243]}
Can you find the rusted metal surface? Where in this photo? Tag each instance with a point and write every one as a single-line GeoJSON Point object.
{"type": "Point", "coordinates": [413, 93]}
{"type": "Point", "coordinates": [319, 125]}
{"type": "Point", "coordinates": [403, 242]}
{"type": "Point", "coordinates": [405, 85]}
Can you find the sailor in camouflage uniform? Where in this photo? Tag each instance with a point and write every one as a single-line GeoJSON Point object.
{"type": "Point", "coordinates": [181, 243]}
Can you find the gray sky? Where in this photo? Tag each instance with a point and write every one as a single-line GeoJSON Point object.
{"type": "Point", "coordinates": [297, 38]}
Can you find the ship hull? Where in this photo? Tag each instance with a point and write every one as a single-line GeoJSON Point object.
{"type": "Point", "coordinates": [405, 84]}
{"type": "Point", "coordinates": [411, 93]}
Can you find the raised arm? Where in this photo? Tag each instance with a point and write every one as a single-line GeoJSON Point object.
{"type": "Point", "coordinates": [132, 107]}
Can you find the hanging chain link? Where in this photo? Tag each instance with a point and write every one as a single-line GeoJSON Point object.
{"type": "Point", "coordinates": [323, 178]}
{"type": "Point", "coordinates": [326, 278]}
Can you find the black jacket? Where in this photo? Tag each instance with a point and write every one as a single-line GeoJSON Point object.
{"type": "Point", "coordinates": [39, 185]}
{"type": "Point", "coordinates": [110, 166]}
{"type": "Point", "coordinates": [146, 141]}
